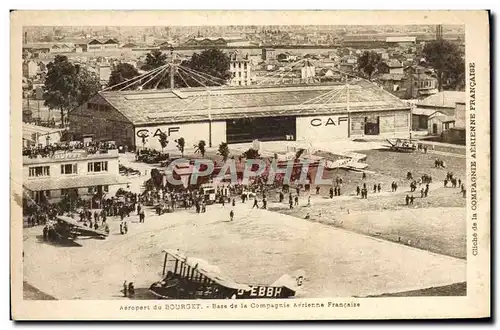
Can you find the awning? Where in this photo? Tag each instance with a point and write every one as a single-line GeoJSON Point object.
{"type": "Point", "coordinates": [74, 182]}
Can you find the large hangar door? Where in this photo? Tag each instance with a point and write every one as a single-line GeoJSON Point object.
{"type": "Point", "coordinates": [263, 129]}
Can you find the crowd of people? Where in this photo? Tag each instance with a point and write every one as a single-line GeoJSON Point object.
{"type": "Point", "coordinates": [51, 149]}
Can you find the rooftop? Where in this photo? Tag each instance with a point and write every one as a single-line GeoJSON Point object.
{"type": "Point", "coordinates": [191, 104]}
{"type": "Point", "coordinates": [445, 99]}
{"type": "Point", "coordinates": [394, 63]}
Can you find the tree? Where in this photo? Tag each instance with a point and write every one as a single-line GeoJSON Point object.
{"type": "Point", "coordinates": [212, 62]}
{"type": "Point", "coordinates": [369, 62]}
{"type": "Point", "coordinates": [163, 138]}
{"type": "Point", "coordinates": [223, 150]}
{"type": "Point", "coordinates": [154, 60]}
{"type": "Point", "coordinates": [299, 153]}
{"type": "Point", "coordinates": [200, 147]}
{"type": "Point", "coordinates": [121, 73]}
{"type": "Point", "coordinates": [251, 154]}
{"type": "Point", "coordinates": [180, 145]}
{"type": "Point", "coordinates": [88, 84]}
{"type": "Point", "coordinates": [447, 60]}
{"type": "Point", "coordinates": [61, 85]}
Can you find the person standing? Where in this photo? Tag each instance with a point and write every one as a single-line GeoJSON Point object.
{"type": "Point", "coordinates": [255, 203]}
{"type": "Point", "coordinates": [234, 202]}
{"type": "Point", "coordinates": [309, 201]}
{"type": "Point", "coordinates": [426, 191]}
{"type": "Point", "coordinates": [331, 192]}
{"type": "Point", "coordinates": [231, 215]}
{"type": "Point", "coordinates": [264, 203]}
{"type": "Point", "coordinates": [374, 188]}
{"type": "Point", "coordinates": [317, 190]}
{"type": "Point", "coordinates": [411, 199]}
{"type": "Point", "coordinates": [422, 193]}
{"type": "Point", "coordinates": [379, 187]}
{"type": "Point", "coordinates": [358, 190]}
{"type": "Point", "coordinates": [125, 291]}
{"type": "Point", "coordinates": [407, 199]}
{"type": "Point", "coordinates": [297, 200]}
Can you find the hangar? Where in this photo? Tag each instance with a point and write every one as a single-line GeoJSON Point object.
{"type": "Point", "coordinates": [241, 114]}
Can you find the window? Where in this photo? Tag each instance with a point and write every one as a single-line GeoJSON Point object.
{"type": "Point", "coordinates": [90, 190]}
{"type": "Point", "coordinates": [37, 171]}
{"type": "Point", "coordinates": [97, 166]}
{"type": "Point", "coordinates": [68, 169]}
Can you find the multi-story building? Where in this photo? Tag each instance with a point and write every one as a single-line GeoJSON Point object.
{"type": "Point", "coordinates": [241, 69]}
{"type": "Point", "coordinates": [75, 174]}
{"type": "Point", "coordinates": [268, 54]}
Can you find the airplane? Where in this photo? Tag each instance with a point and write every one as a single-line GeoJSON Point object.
{"type": "Point", "coordinates": [402, 145]}
{"type": "Point", "coordinates": [193, 278]}
{"type": "Point", "coordinates": [67, 228]}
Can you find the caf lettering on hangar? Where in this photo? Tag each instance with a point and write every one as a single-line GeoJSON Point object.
{"type": "Point", "coordinates": [145, 132]}
{"type": "Point", "coordinates": [330, 121]}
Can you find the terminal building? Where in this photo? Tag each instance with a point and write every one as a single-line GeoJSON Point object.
{"type": "Point", "coordinates": [313, 113]}
{"type": "Point", "coordinates": [77, 174]}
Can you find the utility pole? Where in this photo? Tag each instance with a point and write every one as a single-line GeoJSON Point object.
{"type": "Point", "coordinates": [172, 68]}
{"type": "Point", "coordinates": [348, 108]}
{"type": "Point", "coordinates": [209, 118]}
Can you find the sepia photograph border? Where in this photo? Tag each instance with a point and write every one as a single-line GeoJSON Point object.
{"type": "Point", "coordinates": [476, 304]}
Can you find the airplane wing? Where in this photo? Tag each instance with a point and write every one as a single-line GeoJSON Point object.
{"type": "Point", "coordinates": [391, 143]}
{"type": "Point", "coordinates": [212, 272]}
{"type": "Point", "coordinates": [82, 230]}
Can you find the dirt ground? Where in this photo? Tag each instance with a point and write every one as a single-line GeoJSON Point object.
{"type": "Point", "coordinates": [257, 247]}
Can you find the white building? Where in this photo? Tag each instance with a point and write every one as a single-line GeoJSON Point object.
{"type": "Point", "coordinates": [104, 71]}
{"type": "Point", "coordinates": [307, 72]}
{"type": "Point", "coordinates": [240, 67]}
{"type": "Point", "coordinates": [75, 174]}
{"type": "Point", "coordinates": [30, 69]}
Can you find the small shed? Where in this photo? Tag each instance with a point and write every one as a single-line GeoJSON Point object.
{"type": "Point", "coordinates": [438, 123]}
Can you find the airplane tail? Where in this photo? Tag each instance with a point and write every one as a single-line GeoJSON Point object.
{"type": "Point", "coordinates": [293, 281]}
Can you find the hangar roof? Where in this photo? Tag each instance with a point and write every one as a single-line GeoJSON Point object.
{"type": "Point", "coordinates": [194, 104]}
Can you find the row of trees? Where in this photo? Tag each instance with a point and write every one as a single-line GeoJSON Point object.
{"type": "Point", "coordinates": [198, 148]}
{"type": "Point", "coordinates": [212, 62]}
{"type": "Point", "coordinates": [443, 56]}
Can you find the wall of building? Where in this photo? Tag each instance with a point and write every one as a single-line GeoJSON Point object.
{"type": "Point", "coordinates": [77, 158]}
{"type": "Point", "coordinates": [105, 123]}
{"type": "Point", "coordinates": [322, 128]}
{"type": "Point", "coordinates": [460, 115]}
{"type": "Point", "coordinates": [191, 132]}
{"type": "Point", "coordinates": [390, 122]}
{"type": "Point", "coordinates": [241, 71]}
